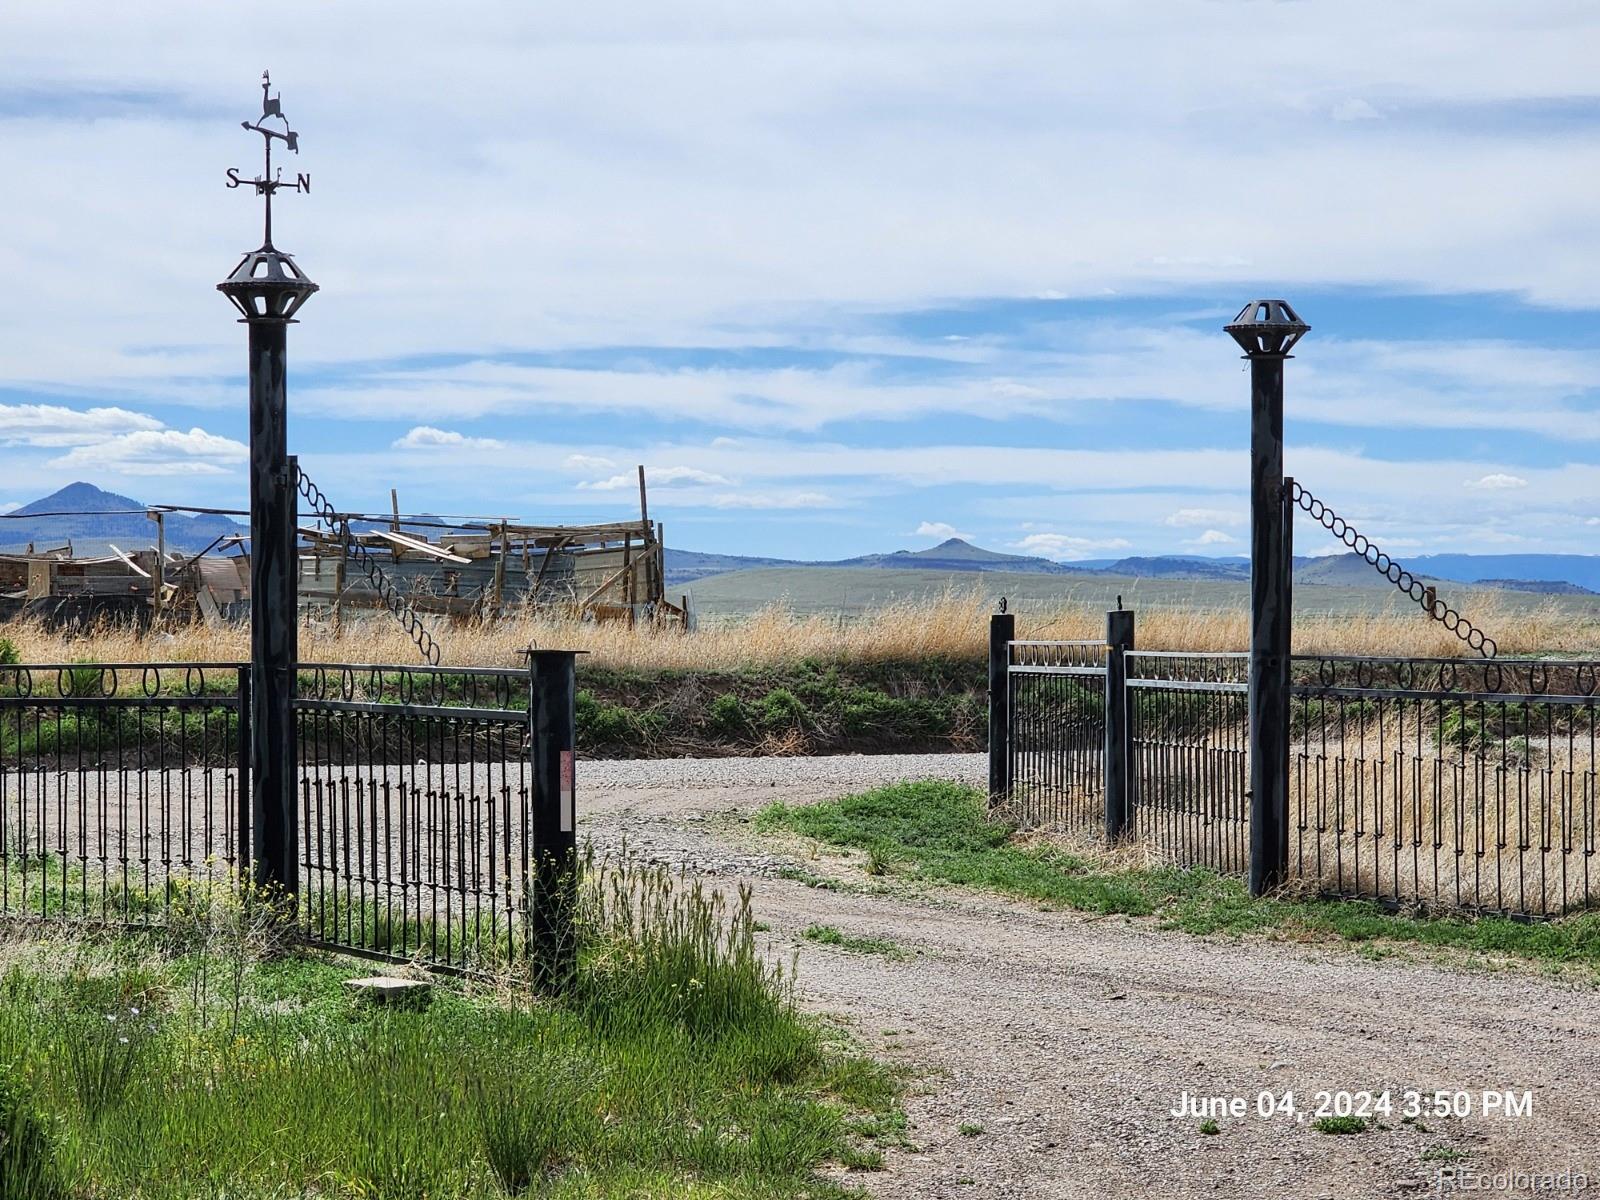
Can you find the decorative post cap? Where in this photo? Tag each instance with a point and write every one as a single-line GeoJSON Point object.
{"type": "Point", "coordinates": [267, 285]}
{"type": "Point", "coordinates": [1267, 327]}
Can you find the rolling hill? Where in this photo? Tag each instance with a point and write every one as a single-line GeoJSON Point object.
{"type": "Point", "coordinates": [90, 517]}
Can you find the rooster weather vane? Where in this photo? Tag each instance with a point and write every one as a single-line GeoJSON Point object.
{"type": "Point", "coordinates": [267, 184]}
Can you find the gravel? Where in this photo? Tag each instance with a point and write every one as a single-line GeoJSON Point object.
{"type": "Point", "coordinates": [836, 773]}
{"type": "Point", "coordinates": [1067, 1038]}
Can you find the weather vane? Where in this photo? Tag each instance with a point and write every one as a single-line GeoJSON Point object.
{"type": "Point", "coordinates": [266, 183]}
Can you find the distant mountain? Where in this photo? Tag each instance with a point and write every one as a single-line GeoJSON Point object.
{"type": "Point", "coordinates": [1582, 569]}
{"type": "Point", "coordinates": [1172, 567]}
{"type": "Point", "coordinates": [953, 554]}
{"type": "Point", "coordinates": [94, 517]}
{"type": "Point", "coordinates": [1549, 587]}
{"type": "Point", "coordinates": [1351, 570]}
{"type": "Point", "coordinates": [684, 566]}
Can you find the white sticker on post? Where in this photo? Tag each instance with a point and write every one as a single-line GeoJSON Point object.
{"type": "Point", "coordinates": [567, 772]}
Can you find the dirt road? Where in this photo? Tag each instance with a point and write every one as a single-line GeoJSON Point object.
{"type": "Point", "coordinates": [1051, 1047]}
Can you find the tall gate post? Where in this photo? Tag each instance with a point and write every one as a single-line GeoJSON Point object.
{"type": "Point", "coordinates": [552, 753]}
{"type": "Point", "coordinates": [1119, 794]}
{"type": "Point", "coordinates": [1267, 330]}
{"type": "Point", "coordinates": [1002, 632]}
{"type": "Point", "coordinates": [268, 289]}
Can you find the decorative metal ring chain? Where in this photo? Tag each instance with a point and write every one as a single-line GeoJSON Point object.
{"type": "Point", "coordinates": [381, 583]}
{"type": "Point", "coordinates": [1394, 573]}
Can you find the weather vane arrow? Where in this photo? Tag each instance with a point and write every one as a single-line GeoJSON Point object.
{"type": "Point", "coordinates": [267, 184]}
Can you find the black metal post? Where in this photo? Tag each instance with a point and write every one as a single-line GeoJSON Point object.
{"type": "Point", "coordinates": [268, 289]}
{"type": "Point", "coordinates": [1267, 330]}
{"type": "Point", "coordinates": [244, 829]}
{"type": "Point", "coordinates": [1119, 796]}
{"type": "Point", "coordinates": [1285, 665]}
{"type": "Point", "coordinates": [1002, 632]}
{"type": "Point", "coordinates": [272, 614]}
{"type": "Point", "coordinates": [552, 753]}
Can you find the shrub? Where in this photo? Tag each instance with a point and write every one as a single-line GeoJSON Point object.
{"type": "Point", "coordinates": [28, 1169]}
{"type": "Point", "coordinates": [868, 710]}
{"type": "Point", "coordinates": [531, 1116]}
{"type": "Point", "coordinates": [782, 709]}
{"type": "Point", "coordinates": [102, 1054]}
{"type": "Point", "coordinates": [661, 949]}
{"type": "Point", "coordinates": [726, 714]}
{"type": "Point", "coordinates": [602, 724]}
{"type": "Point", "coordinates": [10, 656]}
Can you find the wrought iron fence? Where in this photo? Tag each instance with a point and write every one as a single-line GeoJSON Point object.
{"type": "Point", "coordinates": [1190, 756]}
{"type": "Point", "coordinates": [120, 783]}
{"type": "Point", "coordinates": [1446, 782]}
{"type": "Point", "coordinates": [416, 814]}
{"type": "Point", "coordinates": [1443, 782]}
{"type": "Point", "coordinates": [420, 806]}
{"type": "Point", "coordinates": [1056, 693]}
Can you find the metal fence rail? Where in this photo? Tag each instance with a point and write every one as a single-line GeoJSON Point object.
{"type": "Point", "coordinates": [434, 805]}
{"type": "Point", "coordinates": [1447, 782]}
{"type": "Point", "coordinates": [1056, 694]}
{"type": "Point", "coordinates": [416, 812]}
{"type": "Point", "coordinates": [120, 783]}
{"type": "Point", "coordinates": [1190, 756]}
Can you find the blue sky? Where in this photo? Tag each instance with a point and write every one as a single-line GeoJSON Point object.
{"type": "Point", "coordinates": [844, 277]}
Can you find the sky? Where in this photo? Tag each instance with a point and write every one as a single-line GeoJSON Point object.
{"type": "Point", "coordinates": [845, 277]}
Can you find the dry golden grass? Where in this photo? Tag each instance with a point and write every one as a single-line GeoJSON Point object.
{"type": "Point", "coordinates": [953, 626]}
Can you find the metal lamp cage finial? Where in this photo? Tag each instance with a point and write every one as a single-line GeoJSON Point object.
{"type": "Point", "coordinates": [1267, 327]}
{"type": "Point", "coordinates": [267, 284]}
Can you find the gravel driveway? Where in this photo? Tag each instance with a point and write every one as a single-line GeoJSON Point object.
{"type": "Point", "coordinates": [1060, 1042]}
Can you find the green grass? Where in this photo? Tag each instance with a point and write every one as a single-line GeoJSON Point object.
{"type": "Point", "coordinates": [1209, 1127]}
{"type": "Point", "coordinates": [675, 1063]}
{"type": "Point", "coordinates": [831, 935]}
{"type": "Point", "coordinates": [1340, 1125]}
{"type": "Point", "coordinates": [938, 832]}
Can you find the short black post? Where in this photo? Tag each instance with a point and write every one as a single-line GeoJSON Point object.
{"type": "Point", "coordinates": [1267, 330]}
{"type": "Point", "coordinates": [268, 289]}
{"type": "Point", "coordinates": [1119, 794]}
{"type": "Point", "coordinates": [1002, 632]}
{"type": "Point", "coordinates": [552, 751]}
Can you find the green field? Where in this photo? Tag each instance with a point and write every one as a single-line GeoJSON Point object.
{"type": "Point", "coordinates": [854, 591]}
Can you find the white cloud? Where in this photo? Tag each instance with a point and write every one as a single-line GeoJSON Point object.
{"type": "Point", "coordinates": [769, 500]}
{"type": "Point", "coordinates": [588, 462]}
{"type": "Point", "coordinates": [1212, 537]}
{"type": "Point", "coordinates": [1354, 109]}
{"type": "Point", "coordinates": [877, 106]}
{"type": "Point", "coordinates": [159, 452]}
{"type": "Point", "coordinates": [53, 425]}
{"type": "Point", "coordinates": [1186, 518]}
{"type": "Point", "coordinates": [426, 437]}
{"type": "Point", "coordinates": [657, 477]}
{"type": "Point", "coordinates": [1497, 482]}
{"type": "Point", "coordinates": [938, 529]}
{"type": "Point", "coordinates": [1063, 547]}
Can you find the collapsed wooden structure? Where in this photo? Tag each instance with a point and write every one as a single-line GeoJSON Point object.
{"type": "Point", "coordinates": [479, 569]}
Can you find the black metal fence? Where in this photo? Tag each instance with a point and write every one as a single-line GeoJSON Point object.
{"type": "Point", "coordinates": [1056, 693]}
{"type": "Point", "coordinates": [1190, 747]}
{"type": "Point", "coordinates": [415, 811]}
{"type": "Point", "coordinates": [1446, 783]}
{"type": "Point", "coordinates": [120, 784]}
{"type": "Point", "coordinates": [428, 826]}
